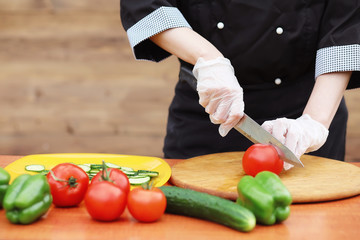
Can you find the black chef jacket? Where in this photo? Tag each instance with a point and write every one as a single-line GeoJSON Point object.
{"type": "Point", "coordinates": [277, 49]}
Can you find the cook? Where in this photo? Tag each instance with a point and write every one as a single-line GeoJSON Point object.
{"type": "Point", "coordinates": [285, 63]}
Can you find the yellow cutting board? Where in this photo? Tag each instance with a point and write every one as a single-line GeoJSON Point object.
{"type": "Point", "coordinates": [321, 179]}
{"type": "Point", "coordinates": [51, 160]}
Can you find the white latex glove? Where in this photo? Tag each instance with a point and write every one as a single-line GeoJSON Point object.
{"type": "Point", "coordinates": [301, 135]}
{"type": "Point", "coordinates": [220, 93]}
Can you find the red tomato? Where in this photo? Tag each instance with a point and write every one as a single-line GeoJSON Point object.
{"type": "Point", "coordinates": [117, 176]}
{"type": "Point", "coordinates": [68, 184]}
{"type": "Point", "coordinates": [105, 201]}
{"type": "Point", "coordinates": [146, 205]}
{"type": "Point", "coordinates": [261, 157]}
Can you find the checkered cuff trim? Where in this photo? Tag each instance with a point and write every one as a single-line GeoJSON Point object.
{"type": "Point", "coordinates": [337, 59]}
{"type": "Point", "coordinates": [159, 20]}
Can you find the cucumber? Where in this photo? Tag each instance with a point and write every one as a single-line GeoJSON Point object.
{"type": "Point", "coordinates": [127, 169]}
{"type": "Point", "coordinates": [35, 168]}
{"type": "Point", "coordinates": [93, 171]}
{"type": "Point", "coordinates": [84, 167]}
{"type": "Point", "coordinates": [96, 166]}
{"type": "Point", "coordinates": [129, 173]}
{"type": "Point", "coordinates": [148, 173]}
{"type": "Point", "coordinates": [112, 165]}
{"type": "Point", "coordinates": [139, 180]}
{"type": "Point", "coordinates": [135, 177]}
{"type": "Point", "coordinates": [196, 204]}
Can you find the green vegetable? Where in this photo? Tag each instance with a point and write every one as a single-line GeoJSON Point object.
{"type": "Point", "coordinates": [128, 169]}
{"type": "Point", "coordinates": [27, 199]}
{"type": "Point", "coordinates": [112, 165]}
{"type": "Point", "coordinates": [139, 180]}
{"type": "Point", "coordinates": [4, 184]}
{"type": "Point", "coordinates": [266, 196]}
{"type": "Point", "coordinates": [35, 168]}
{"type": "Point", "coordinates": [208, 207]}
{"type": "Point", "coordinates": [135, 177]}
{"type": "Point", "coordinates": [85, 167]}
{"type": "Point", "coordinates": [130, 173]}
{"type": "Point", "coordinates": [147, 173]}
{"type": "Point", "coordinates": [96, 166]}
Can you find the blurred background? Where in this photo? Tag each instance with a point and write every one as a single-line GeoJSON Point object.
{"type": "Point", "coordinates": [69, 83]}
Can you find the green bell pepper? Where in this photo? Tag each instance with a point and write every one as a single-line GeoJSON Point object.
{"type": "Point", "coordinates": [266, 196]}
{"type": "Point", "coordinates": [4, 184]}
{"type": "Point", "coordinates": [27, 199]}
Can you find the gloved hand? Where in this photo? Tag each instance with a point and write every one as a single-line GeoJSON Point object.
{"type": "Point", "coordinates": [301, 135]}
{"type": "Point", "coordinates": [220, 93]}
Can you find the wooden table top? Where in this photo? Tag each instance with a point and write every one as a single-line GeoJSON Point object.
{"type": "Point", "coordinates": [328, 220]}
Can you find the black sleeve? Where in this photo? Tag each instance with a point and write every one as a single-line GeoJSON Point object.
{"type": "Point", "coordinates": [145, 18]}
{"type": "Point", "coordinates": [339, 40]}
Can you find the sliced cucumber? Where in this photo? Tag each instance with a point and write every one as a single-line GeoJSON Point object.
{"type": "Point", "coordinates": [94, 171]}
{"type": "Point", "coordinates": [35, 168]}
{"type": "Point", "coordinates": [84, 167]}
{"type": "Point", "coordinates": [147, 173]}
{"type": "Point", "coordinates": [135, 177]}
{"type": "Point", "coordinates": [112, 165]}
{"type": "Point", "coordinates": [96, 166]}
{"type": "Point", "coordinates": [128, 169]}
{"type": "Point", "coordinates": [139, 180]}
{"type": "Point", "coordinates": [130, 173]}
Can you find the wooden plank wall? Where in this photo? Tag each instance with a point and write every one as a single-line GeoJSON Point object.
{"type": "Point", "coordinates": [69, 83]}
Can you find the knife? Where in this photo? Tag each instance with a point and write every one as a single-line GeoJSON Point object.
{"type": "Point", "coordinates": [255, 133]}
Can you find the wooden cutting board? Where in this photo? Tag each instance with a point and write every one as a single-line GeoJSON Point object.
{"type": "Point", "coordinates": [321, 179]}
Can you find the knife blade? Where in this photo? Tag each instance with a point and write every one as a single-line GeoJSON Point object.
{"type": "Point", "coordinates": [255, 133]}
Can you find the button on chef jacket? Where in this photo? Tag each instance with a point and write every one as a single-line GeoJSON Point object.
{"type": "Point", "coordinates": [277, 49]}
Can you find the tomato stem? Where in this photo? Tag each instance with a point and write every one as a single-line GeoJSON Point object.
{"type": "Point", "coordinates": [72, 182]}
{"type": "Point", "coordinates": [105, 171]}
{"type": "Point", "coordinates": [148, 185]}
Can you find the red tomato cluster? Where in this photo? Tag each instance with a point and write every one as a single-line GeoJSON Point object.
{"type": "Point", "coordinates": [107, 195]}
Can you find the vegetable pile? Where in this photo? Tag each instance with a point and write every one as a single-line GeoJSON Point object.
{"type": "Point", "coordinates": [106, 193]}
{"type": "Point", "coordinates": [263, 199]}
{"type": "Point", "coordinates": [104, 188]}
{"type": "Point", "coordinates": [136, 177]}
